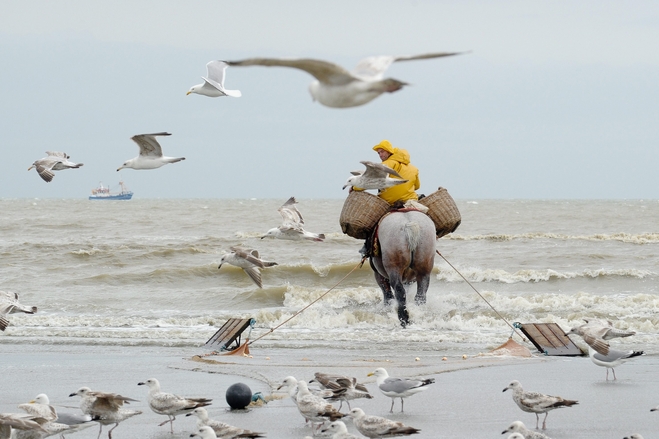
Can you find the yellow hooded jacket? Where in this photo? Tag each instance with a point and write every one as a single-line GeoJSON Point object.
{"type": "Point", "coordinates": [399, 161]}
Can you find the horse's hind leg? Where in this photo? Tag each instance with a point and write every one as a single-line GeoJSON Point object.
{"type": "Point", "coordinates": [383, 283]}
{"type": "Point", "coordinates": [422, 284]}
{"type": "Point", "coordinates": [399, 290]}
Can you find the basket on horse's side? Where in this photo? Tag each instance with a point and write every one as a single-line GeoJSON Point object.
{"type": "Point", "coordinates": [360, 214]}
{"type": "Point", "coordinates": [443, 211]}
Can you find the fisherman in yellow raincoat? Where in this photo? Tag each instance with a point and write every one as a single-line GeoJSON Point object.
{"type": "Point", "coordinates": [399, 160]}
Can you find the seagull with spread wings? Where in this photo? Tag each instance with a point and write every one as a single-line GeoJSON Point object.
{"type": "Point", "coordinates": [376, 176]}
{"type": "Point", "coordinates": [105, 408]}
{"type": "Point", "coordinates": [213, 85]}
{"type": "Point", "coordinates": [54, 161]}
{"type": "Point", "coordinates": [9, 305]}
{"type": "Point", "coordinates": [150, 156]}
{"type": "Point", "coordinates": [337, 87]}
{"type": "Point", "coordinates": [249, 260]}
{"type": "Point", "coordinates": [291, 227]}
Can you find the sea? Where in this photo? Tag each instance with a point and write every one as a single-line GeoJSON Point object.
{"type": "Point", "coordinates": [145, 272]}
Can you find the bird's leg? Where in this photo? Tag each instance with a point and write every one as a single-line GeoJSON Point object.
{"type": "Point", "coordinates": [537, 420]}
{"type": "Point", "coordinates": [110, 431]}
{"type": "Point", "coordinates": [391, 410]}
{"type": "Point", "coordinates": [402, 402]}
{"type": "Point", "coordinates": [347, 402]}
{"type": "Point", "coordinates": [544, 421]}
{"type": "Point", "coordinates": [171, 424]}
{"type": "Point", "coordinates": [99, 430]}
{"type": "Point", "coordinates": [614, 373]}
{"type": "Point", "coordinates": [607, 374]}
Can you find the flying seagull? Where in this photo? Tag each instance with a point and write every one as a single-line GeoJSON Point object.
{"type": "Point", "coordinates": [150, 156]}
{"type": "Point", "coordinates": [291, 227]}
{"type": "Point", "coordinates": [213, 85]}
{"type": "Point", "coordinates": [338, 88]}
{"type": "Point", "coordinates": [54, 161]}
{"type": "Point", "coordinates": [9, 305]}
{"type": "Point", "coordinates": [376, 176]}
{"type": "Point", "coordinates": [249, 260]}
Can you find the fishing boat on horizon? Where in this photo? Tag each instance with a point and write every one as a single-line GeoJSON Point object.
{"type": "Point", "coordinates": [103, 193]}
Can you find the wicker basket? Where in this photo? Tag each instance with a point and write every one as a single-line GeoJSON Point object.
{"type": "Point", "coordinates": [360, 214]}
{"type": "Point", "coordinates": [443, 211]}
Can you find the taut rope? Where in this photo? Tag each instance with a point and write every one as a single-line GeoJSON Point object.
{"type": "Point", "coordinates": [477, 292]}
{"type": "Point", "coordinates": [311, 303]}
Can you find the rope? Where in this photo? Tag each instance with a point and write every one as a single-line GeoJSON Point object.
{"type": "Point", "coordinates": [489, 304]}
{"type": "Point", "coordinates": [317, 299]}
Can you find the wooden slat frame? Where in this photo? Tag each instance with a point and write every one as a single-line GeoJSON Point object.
{"type": "Point", "coordinates": [550, 339]}
{"type": "Point", "coordinates": [227, 334]}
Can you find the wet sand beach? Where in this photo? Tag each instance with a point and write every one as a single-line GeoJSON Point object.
{"type": "Point", "coordinates": [465, 401]}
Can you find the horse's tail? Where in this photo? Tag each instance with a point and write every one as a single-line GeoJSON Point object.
{"type": "Point", "coordinates": [413, 234]}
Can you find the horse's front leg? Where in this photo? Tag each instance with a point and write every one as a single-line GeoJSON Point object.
{"type": "Point", "coordinates": [422, 284]}
{"type": "Point", "coordinates": [383, 283]}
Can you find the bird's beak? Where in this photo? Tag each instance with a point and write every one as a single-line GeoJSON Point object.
{"type": "Point", "coordinates": [345, 186]}
{"type": "Point", "coordinates": [30, 168]}
{"type": "Point", "coordinates": [119, 169]}
{"type": "Point", "coordinates": [32, 402]}
{"type": "Point", "coordinates": [141, 384]}
{"type": "Point", "coordinates": [189, 414]}
{"type": "Point", "coordinates": [370, 374]}
{"type": "Point", "coordinates": [505, 389]}
{"type": "Point", "coordinates": [219, 266]}
{"type": "Point", "coordinates": [73, 394]}
{"type": "Point", "coordinates": [188, 93]}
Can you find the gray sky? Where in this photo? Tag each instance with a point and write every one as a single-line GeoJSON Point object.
{"type": "Point", "coordinates": [555, 100]}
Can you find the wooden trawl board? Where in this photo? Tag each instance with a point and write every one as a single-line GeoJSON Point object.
{"type": "Point", "coordinates": [227, 334]}
{"type": "Point", "coordinates": [550, 339]}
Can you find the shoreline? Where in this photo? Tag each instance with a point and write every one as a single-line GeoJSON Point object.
{"type": "Point", "coordinates": [465, 401]}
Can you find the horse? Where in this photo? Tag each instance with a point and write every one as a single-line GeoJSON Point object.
{"type": "Point", "coordinates": [406, 254]}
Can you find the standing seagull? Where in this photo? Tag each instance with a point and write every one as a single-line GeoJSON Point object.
{"type": "Point", "coordinates": [150, 153]}
{"type": "Point", "coordinates": [314, 408]}
{"type": "Point", "coordinates": [55, 161]}
{"type": "Point", "coordinates": [9, 305]}
{"type": "Point", "coordinates": [534, 402]}
{"type": "Point", "coordinates": [41, 408]}
{"type": "Point", "coordinates": [601, 354]}
{"type": "Point", "coordinates": [291, 227]}
{"type": "Point", "coordinates": [249, 260]}
{"type": "Point", "coordinates": [105, 408]}
{"type": "Point", "coordinates": [398, 387]}
{"type": "Point", "coordinates": [338, 88]}
{"type": "Point", "coordinates": [338, 430]}
{"type": "Point", "coordinates": [351, 388]}
{"type": "Point", "coordinates": [376, 176]}
{"type": "Point", "coordinates": [169, 404]}
{"type": "Point", "coordinates": [213, 86]}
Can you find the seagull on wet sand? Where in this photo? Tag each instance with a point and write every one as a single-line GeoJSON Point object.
{"type": "Point", "coordinates": [105, 408]}
{"type": "Point", "coordinates": [376, 176]}
{"type": "Point", "coordinates": [535, 402]}
{"type": "Point", "coordinates": [221, 429]}
{"type": "Point", "coordinates": [338, 430]}
{"type": "Point", "coordinates": [314, 408]}
{"type": "Point", "coordinates": [399, 387]}
{"type": "Point", "coordinates": [519, 427]}
{"type": "Point", "coordinates": [352, 389]}
{"type": "Point", "coordinates": [150, 156]}
{"type": "Point", "coordinates": [54, 161]}
{"type": "Point", "coordinates": [19, 422]}
{"type": "Point", "coordinates": [376, 426]}
{"type": "Point", "coordinates": [335, 86]}
{"type": "Point", "coordinates": [600, 352]}
{"type": "Point", "coordinates": [204, 432]}
{"type": "Point", "coordinates": [9, 304]}
{"type": "Point", "coordinates": [213, 85]}
{"type": "Point", "coordinates": [169, 404]}
{"type": "Point", "coordinates": [291, 227]}
{"type": "Point", "coordinates": [249, 260]}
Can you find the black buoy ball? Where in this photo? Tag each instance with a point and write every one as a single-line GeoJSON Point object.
{"type": "Point", "coordinates": [239, 396]}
